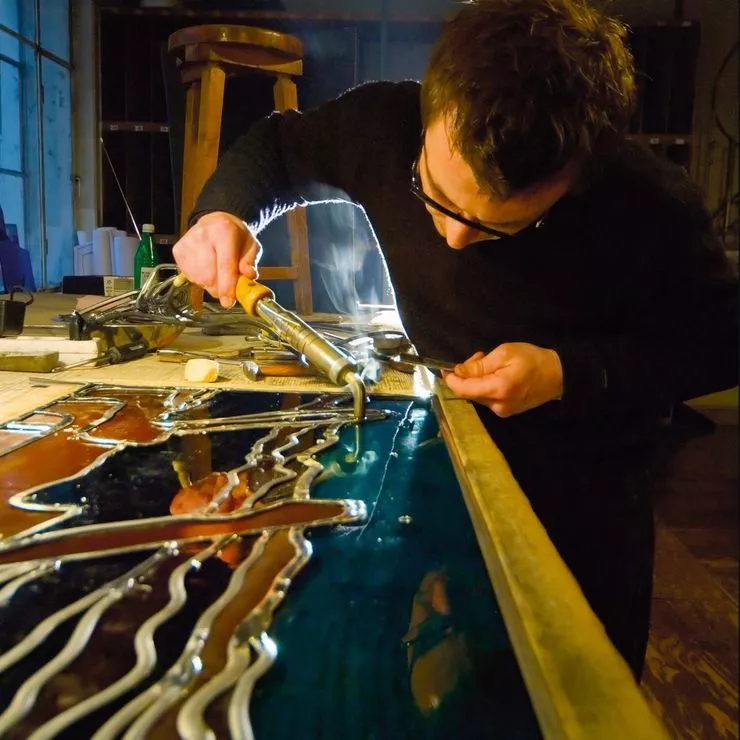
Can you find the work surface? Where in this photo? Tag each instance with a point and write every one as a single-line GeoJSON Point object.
{"type": "Point", "coordinates": [20, 392]}
{"type": "Point", "coordinates": [578, 685]}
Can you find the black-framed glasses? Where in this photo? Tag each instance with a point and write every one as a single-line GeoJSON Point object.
{"type": "Point", "coordinates": [417, 190]}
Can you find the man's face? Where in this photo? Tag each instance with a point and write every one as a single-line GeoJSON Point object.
{"type": "Point", "coordinates": [446, 178]}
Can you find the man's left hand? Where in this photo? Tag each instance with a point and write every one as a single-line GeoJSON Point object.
{"type": "Point", "coordinates": [514, 377]}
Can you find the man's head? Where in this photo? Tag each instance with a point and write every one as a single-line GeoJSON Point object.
{"type": "Point", "coordinates": [518, 97]}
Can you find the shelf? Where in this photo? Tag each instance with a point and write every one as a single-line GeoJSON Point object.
{"type": "Point", "coordinates": [138, 127]}
{"type": "Point", "coordinates": [149, 127]}
{"type": "Point", "coordinates": [165, 239]}
{"type": "Point", "coordinates": [663, 139]}
{"type": "Point", "coordinates": [207, 16]}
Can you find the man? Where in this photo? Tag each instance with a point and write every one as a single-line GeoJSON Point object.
{"type": "Point", "coordinates": [575, 270]}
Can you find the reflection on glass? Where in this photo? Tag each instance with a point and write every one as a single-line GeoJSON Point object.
{"type": "Point", "coordinates": [436, 653]}
{"type": "Point", "coordinates": [392, 631]}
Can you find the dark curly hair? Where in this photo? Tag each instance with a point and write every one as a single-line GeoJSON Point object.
{"type": "Point", "coordinates": [528, 86]}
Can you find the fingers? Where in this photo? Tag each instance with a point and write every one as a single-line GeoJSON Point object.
{"type": "Point", "coordinates": [473, 367]}
{"type": "Point", "coordinates": [215, 251]}
{"type": "Point", "coordinates": [488, 386]}
{"type": "Point", "coordinates": [250, 258]}
{"type": "Point", "coordinates": [493, 391]}
{"type": "Point", "coordinates": [513, 378]}
{"type": "Point", "coordinates": [227, 270]}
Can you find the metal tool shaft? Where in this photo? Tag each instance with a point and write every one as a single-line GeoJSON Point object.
{"type": "Point", "coordinates": [319, 351]}
{"type": "Point", "coordinates": [306, 340]}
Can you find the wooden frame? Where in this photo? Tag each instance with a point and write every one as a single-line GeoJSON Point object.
{"type": "Point", "coordinates": [579, 685]}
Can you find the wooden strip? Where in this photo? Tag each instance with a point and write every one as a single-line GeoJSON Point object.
{"type": "Point", "coordinates": [278, 273]}
{"type": "Point", "coordinates": [579, 685]}
{"type": "Point", "coordinates": [286, 97]}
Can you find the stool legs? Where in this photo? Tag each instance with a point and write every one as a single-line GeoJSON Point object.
{"type": "Point", "coordinates": [203, 111]}
{"type": "Point", "coordinates": [285, 97]}
{"type": "Point", "coordinates": [189, 153]}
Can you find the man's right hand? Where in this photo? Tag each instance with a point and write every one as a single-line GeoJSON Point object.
{"type": "Point", "coordinates": [215, 251]}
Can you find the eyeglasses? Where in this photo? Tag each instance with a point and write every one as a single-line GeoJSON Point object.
{"type": "Point", "coordinates": [417, 190]}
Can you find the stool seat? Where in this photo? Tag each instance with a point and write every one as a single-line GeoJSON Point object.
{"type": "Point", "coordinates": [206, 55]}
{"type": "Point", "coordinates": [238, 46]}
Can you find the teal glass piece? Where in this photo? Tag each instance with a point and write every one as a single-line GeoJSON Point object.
{"type": "Point", "coordinates": [393, 630]}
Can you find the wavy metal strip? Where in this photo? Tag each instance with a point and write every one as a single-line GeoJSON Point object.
{"type": "Point", "coordinates": [9, 572]}
{"type": "Point", "coordinates": [30, 431]}
{"type": "Point", "coordinates": [26, 695]}
{"type": "Point", "coordinates": [146, 709]}
{"type": "Point", "coordinates": [108, 447]}
{"type": "Point", "coordinates": [36, 571]}
{"type": "Point", "coordinates": [350, 511]}
{"type": "Point", "coordinates": [252, 461]}
{"type": "Point", "coordinates": [191, 723]}
{"type": "Point", "coordinates": [69, 511]}
{"type": "Point", "coordinates": [302, 488]}
{"type": "Point", "coordinates": [240, 723]}
{"type": "Point", "coordinates": [291, 440]}
{"type": "Point", "coordinates": [146, 653]}
{"type": "Point", "coordinates": [268, 419]}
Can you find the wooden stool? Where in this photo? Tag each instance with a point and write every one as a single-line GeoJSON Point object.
{"type": "Point", "coordinates": [206, 55]}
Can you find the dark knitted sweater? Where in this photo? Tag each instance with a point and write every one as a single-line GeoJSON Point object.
{"type": "Point", "coordinates": [625, 279]}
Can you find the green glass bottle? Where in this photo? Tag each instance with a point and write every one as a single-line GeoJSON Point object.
{"type": "Point", "coordinates": [145, 259]}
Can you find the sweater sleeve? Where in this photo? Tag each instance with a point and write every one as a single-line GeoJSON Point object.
{"type": "Point", "coordinates": [683, 341]}
{"type": "Point", "coordinates": [293, 159]}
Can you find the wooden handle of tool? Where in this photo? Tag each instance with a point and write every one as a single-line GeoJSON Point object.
{"type": "Point", "coordinates": [287, 370]}
{"type": "Point", "coordinates": [248, 292]}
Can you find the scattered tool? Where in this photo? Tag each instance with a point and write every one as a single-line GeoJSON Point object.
{"type": "Point", "coordinates": [252, 369]}
{"type": "Point", "coordinates": [180, 355]}
{"type": "Point", "coordinates": [13, 312]}
{"type": "Point", "coordinates": [392, 348]}
{"type": "Point", "coordinates": [112, 356]}
{"type": "Point", "coordinates": [406, 358]}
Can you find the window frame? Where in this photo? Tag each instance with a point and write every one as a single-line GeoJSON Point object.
{"type": "Point", "coordinates": [25, 71]}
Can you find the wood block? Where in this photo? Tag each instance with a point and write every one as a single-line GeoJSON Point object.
{"type": "Point", "coordinates": [69, 350]}
{"type": "Point", "coordinates": [40, 362]}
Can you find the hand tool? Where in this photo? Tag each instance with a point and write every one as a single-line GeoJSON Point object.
{"type": "Point", "coordinates": [411, 359]}
{"type": "Point", "coordinates": [181, 355]}
{"type": "Point", "coordinates": [259, 301]}
{"type": "Point", "coordinates": [252, 369]}
{"type": "Point", "coordinates": [112, 356]}
{"type": "Point", "coordinates": [391, 347]}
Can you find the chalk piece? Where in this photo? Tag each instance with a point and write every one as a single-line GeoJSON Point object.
{"type": "Point", "coordinates": [201, 371]}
